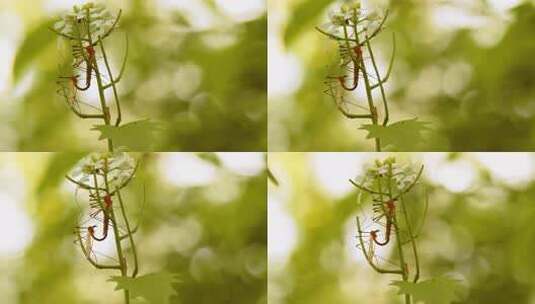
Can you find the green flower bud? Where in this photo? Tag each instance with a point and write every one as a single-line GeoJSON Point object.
{"type": "Point", "coordinates": [390, 160]}
{"type": "Point", "coordinates": [337, 18]}
{"type": "Point", "coordinates": [350, 5]}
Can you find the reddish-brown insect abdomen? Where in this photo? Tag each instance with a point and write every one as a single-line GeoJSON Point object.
{"type": "Point", "coordinates": [90, 51]}
{"type": "Point", "coordinates": [358, 51]}
{"type": "Point", "coordinates": [391, 206]}
{"type": "Point", "coordinates": [108, 201]}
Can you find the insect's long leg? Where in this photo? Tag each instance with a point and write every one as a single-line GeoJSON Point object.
{"type": "Point", "coordinates": [68, 91]}
{"type": "Point", "coordinates": [101, 222]}
{"type": "Point", "coordinates": [88, 243]}
{"type": "Point", "coordinates": [84, 71]}
{"type": "Point", "coordinates": [85, 240]}
{"type": "Point", "coordinates": [331, 91]}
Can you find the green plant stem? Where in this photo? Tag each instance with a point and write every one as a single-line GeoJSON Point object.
{"type": "Point", "coordinates": [381, 87]}
{"type": "Point", "coordinates": [399, 246]}
{"type": "Point", "coordinates": [413, 241]}
{"type": "Point", "coordinates": [361, 187]}
{"type": "Point", "coordinates": [102, 97]}
{"type": "Point", "coordinates": [412, 184]}
{"type": "Point", "coordinates": [114, 88]}
{"type": "Point", "coordinates": [369, 95]}
{"type": "Point", "coordinates": [122, 260]}
{"type": "Point", "coordinates": [92, 62]}
{"type": "Point", "coordinates": [390, 65]}
{"type": "Point", "coordinates": [105, 108]}
{"type": "Point", "coordinates": [129, 233]}
{"type": "Point", "coordinates": [123, 66]}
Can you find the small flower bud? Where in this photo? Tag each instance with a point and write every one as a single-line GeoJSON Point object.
{"type": "Point", "coordinates": [350, 5]}
{"type": "Point", "coordinates": [337, 18]}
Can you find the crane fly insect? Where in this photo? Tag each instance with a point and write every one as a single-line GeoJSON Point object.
{"type": "Point", "coordinates": [106, 210]}
{"type": "Point", "coordinates": [384, 209]}
{"type": "Point", "coordinates": [369, 238]}
{"type": "Point", "coordinates": [84, 55]}
{"type": "Point", "coordinates": [347, 57]}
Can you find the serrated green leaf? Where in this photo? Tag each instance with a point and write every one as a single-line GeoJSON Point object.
{"type": "Point", "coordinates": [303, 18]}
{"type": "Point", "coordinates": [33, 45]}
{"type": "Point", "coordinates": [404, 135]}
{"type": "Point", "coordinates": [155, 288]}
{"type": "Point", "coordinates": [139, 135]}
{"type": "Point", "coordinates": [441, 290]}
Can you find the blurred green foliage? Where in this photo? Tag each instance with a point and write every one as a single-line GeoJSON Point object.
{"type": "Point", "coordinates": [470, 74]}
{"type": "Point", "coordinates": [217, 248]}
{"type": "Point", "coordinates": [483, 235]}
{"type": "Point", "coordinates": [207, 87]}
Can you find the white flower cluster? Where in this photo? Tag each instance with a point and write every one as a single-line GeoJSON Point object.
{"type": "Point", "coordinates": [348, 13]}
{"type": "Point", "coordinates": [402, 175]}
{"type": "Point", "coordinates": [74, 23]}
{"type": "Point", "coordinates": [120, 168]}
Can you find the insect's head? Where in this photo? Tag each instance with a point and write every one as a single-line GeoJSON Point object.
{"type": "Point", "coordinates": [91, 229]}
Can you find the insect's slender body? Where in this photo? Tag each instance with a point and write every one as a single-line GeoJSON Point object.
{"type": "Point", "coordinates": [90, 51]}
{"type": "Point", "coordinates": [355, 58]}
{"type": "Point", "coordinates": [106, 225]}
{"type": "Point", "coordinates": [389, 208]}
